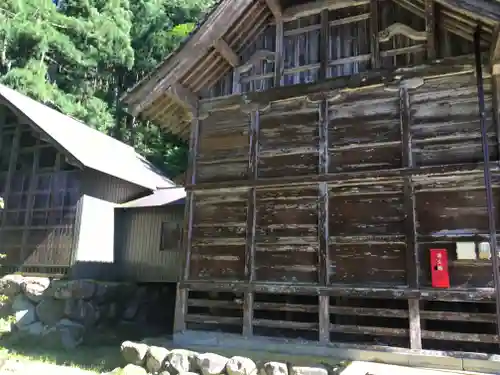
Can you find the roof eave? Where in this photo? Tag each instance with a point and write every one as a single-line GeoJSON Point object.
{"type": "Point", "coordinates": [186, 56]}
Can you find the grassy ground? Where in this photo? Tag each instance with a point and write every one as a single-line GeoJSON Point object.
{"type": "Point", "coordinates": [98, 359]}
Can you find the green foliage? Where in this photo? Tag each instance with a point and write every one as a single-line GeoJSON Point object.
{"type": "Point", "coordinates": [82, 55]}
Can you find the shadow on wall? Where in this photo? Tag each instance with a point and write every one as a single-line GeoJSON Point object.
{"type": "Point", "coordinates": [94, 270]}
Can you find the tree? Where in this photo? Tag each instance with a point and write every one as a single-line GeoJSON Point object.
{"type": "Point", "coordinates": [80, 56]}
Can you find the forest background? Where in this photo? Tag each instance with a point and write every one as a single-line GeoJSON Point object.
{"type": "Point", "coordinates": [80, 56]}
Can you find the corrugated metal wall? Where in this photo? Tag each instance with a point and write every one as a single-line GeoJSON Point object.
{"type": "Point", "coordinates": [140, 258]}
{"type": "Point", "coordinates": [109, 188]}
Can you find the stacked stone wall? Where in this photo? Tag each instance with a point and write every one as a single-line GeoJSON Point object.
{"type": "Point", "coordinates": [144, 359]}
{"type": "Point", "coordinates": [66, 312]}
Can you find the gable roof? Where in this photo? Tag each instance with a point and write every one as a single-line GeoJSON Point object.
{"type": "Point", "coordinates": [88, 146]}
{"type": "Point", "coordinates": [197, 63]}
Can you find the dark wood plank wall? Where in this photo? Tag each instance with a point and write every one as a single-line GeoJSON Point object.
{"type": "Point", "coordinates": [314, 207]}
{"type": "Point", "coordinates": [41, 191]}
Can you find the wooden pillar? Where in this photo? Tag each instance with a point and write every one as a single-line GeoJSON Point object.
{"type": "Point", "coordinates": [374, 29]}
{"type": "Point", "coordinates": [14, 151]}
{"type": "Point", "coordinates": [495, 86]}
{"type": "Point", "coordinates": [3, 110]}
{"type": "Point", "coordinates": [279, 63]}
{"type": "Point", "coordinates": [253, 160]}
{"type": "Point", "coordinates": [182, 293]}
{"type": "Point", "coordinates": [323, 196]}
{"type": "Point", "coordinates": [412, 256]}
{"type": "Point", "coordinates": [30, 199]}
{"type": "Point", "coordinates": [430, 29]}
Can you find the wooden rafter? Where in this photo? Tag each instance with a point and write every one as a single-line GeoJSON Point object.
{"type": "Point", "coordinates": [217, 24]}
{"type": "Point", "coordinates": [483, 10]}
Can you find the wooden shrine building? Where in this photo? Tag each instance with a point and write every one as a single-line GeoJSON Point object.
{"type": "Point", "coordinates": [336, 156]}
{"type": "Point", "coordinates": [61, 182]}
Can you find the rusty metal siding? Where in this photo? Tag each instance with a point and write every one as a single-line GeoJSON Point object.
{"type": "Point", "coordinates": [140, 256]}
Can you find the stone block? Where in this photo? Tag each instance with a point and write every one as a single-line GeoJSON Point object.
{"type": "Point", "coordinates": [181, 361]}
{"type": "Point", "coordinates": [34, 288]}
{"type": "Point", "coordinates": [134, 353]}
{"type": "Point", "coordinates": [211, 363]}
{"type": "Point", "coordinates": [50, 311]}
{"type": "Point", "coordinates": [241, 366]}
{"type": "Point", "coordinates": [274, 368]}
{"type": "Point", "coordinates": [155, 358]}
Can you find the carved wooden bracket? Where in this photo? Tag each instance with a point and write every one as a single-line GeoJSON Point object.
{"type": "Point", "coordinates": [256, 58]}
{"type": "Point", "coordinates": [399, 29]}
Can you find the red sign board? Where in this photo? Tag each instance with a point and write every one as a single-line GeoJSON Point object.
{"type": "Point", "coordinates": [440, 275]}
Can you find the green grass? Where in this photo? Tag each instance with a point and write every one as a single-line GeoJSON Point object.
{"type": "Point", "coordinates": [96, 358]}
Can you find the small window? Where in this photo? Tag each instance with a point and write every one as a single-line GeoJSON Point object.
{"type": "Point", "coordinates": [171, 233]}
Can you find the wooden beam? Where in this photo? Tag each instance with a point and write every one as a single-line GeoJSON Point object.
{"type": "Point", "coordinates": [374, 33]}
{"type": "Point", "coordinates": [315, 7]}
{"type": "Point", "coordinates": [227, 52]}
{"type": "Point", "coordinates": [430, 28]}
{"type": "Point", "coordinates": [178, 64]}
{"type": "Point", "coordinates": [346, 290]}
{"type": "Point", "coordinates": [276, 9]}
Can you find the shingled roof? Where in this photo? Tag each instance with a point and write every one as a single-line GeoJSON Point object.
{"type": "Point", "coordinates": [88, 146]}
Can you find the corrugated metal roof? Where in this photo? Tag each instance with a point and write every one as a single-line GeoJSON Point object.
{"type": "Point", "coordinates": [158, 198]}
{"type": "Point", "coordinates": [89, 146]}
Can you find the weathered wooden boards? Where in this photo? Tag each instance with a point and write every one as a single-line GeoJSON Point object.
{"type": "Point", "coordinates": [340, 188]}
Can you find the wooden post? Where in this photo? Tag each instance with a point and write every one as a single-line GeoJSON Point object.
{"type": "Point", "coordinates": [182, 293]}
{"type": "Point", "coordinates": [30, 200]}
{"type": "Point", "coordinates": [430, 29]}
{"type": "Point", "coordinates": [14, 151]}
{"type": "Point", "coordinates": [279, 79]}
{"type": "Point", "coordinates": [324, 42]}
{"type": "Point", "coordinates": [323, 196]}
{"type": "Point", "coordinates": [3, 110]}
{"type": "Point", "coordinates": [495, 81]}
{"type": "Point", "coordinates": [374, 29]}
{"type": "Point", "coordinates": [251, 220]}
{"type": "Point", "coordinates": [495, 86]}
{"type": "Point", "coordinates": [412, 256]}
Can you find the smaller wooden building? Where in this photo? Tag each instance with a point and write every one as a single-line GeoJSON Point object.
{"type": "Point", "coordinates": [61, 181]}
{"type": "Point", "coordinates": [149, 233]}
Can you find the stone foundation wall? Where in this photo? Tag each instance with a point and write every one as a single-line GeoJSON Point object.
{"type": "Point", "coordinates": [143, 359]}
{"type": "Point", "coordinates": [67, 312]}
